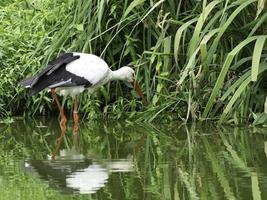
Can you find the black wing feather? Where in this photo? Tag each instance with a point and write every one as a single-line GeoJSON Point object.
{"type": "Point", "coordinates": [60, 77]}
{"type": "Point", "coordinates": [55, 64]}
{"type": "Point", "coordinates": [55, 74]}
{"type": "Point", "coordinates": [27, 81]}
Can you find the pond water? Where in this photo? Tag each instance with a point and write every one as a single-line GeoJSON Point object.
{"type": "Point", "coordinates": [111, 160]}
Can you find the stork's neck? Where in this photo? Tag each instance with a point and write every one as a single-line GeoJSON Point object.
{"type": "Point", "coordinates": [124, 74]}
{"type": "Point", "coordinates": [117, 75]}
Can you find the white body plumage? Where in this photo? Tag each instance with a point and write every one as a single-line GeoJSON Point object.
{"type": "Point", "coordinates": [72, 73]}
{"type": "Point", "coordinates": [96, 71]}
{"type": "Point", "coordinates": [92, 68]}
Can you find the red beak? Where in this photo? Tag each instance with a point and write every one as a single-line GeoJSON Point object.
{"type": "Point", "coordinates": [138, 90]}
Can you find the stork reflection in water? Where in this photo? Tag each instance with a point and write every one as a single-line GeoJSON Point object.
{"type": "Point", "coordinates": [71, 172]}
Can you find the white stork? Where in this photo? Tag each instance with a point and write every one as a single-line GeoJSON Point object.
{"type": "Point", "coordinates": [71, 74]}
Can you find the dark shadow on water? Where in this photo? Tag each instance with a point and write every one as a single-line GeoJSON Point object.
{"type": "Point", "coordinates": [111, 160]}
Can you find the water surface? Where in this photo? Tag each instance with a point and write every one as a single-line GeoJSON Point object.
{"type": "Point", "coordinates": [111, 160]}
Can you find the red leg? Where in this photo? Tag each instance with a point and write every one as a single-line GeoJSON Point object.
{"type": "Point", "coordinates": [62, 115]}
{"type": "Point", "coordinates": [59, 141]}
{"type": "Point", "coordinates": [76, 118]}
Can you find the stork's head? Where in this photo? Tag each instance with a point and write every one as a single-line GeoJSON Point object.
{"type": "Point", "coordinates": [127, 75]}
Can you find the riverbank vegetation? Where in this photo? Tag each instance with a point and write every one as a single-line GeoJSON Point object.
{"type": "Point", "coordinates": [195, 60]}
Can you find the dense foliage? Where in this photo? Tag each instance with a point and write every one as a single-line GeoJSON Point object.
{"type": "Point", "coordinates": [195, 59]}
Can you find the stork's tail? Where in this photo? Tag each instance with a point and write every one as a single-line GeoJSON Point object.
{"type": "Point", "coordinates": [27, 81]}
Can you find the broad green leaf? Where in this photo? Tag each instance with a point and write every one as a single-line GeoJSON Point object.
{"type": "Point", "coordinates": [238, 92]}
{"type": "Point", "coordinates": [215, 44]}
{"type": "Point", "coordinates": [134, 4]}
{"type": "Point", "coordinates": [151, 9]}
{"type": "Point", "coordinates": [258, 25]}
{"type": "Point", "coordinates": [225, 7]}
{"type": "Point", "coordinates": [190, 65]}
{"type": "Point", "coordinates": [224, 70]}
{"type": "Point", "coordinates": [259, 118]}
{"type": "Point", "coordinates": [201, 20]}
{"type": "Point", "coordinates": [79, 27]}
{"type": "Point", "coordinates": [233, 87]}
{"type": "Point", "coordinates": [256, 193]}
{"type": "Point", "coordinates": [178, 37]}
{"type": "Point", "coordinates": [100, 13]}
{"type": "Point", "coordinates": [167, 53]}
{"type": "Point", "coordinates": [256, 57]}
{"type": "Point", "coordinates": [260, 7]}
{"type": "Point", "coordinates": [203, 46]}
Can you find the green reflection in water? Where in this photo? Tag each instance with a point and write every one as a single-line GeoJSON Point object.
{"type": "Point", "coordinates": [132, 161]}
